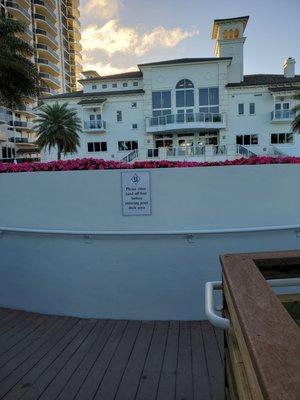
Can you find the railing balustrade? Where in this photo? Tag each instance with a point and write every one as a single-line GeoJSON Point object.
{"type": "Point", "coordinates": [16, 6]}
{"type": "Point", "coordinates": [94, 124]}
{"type": "Point", "coordinates": [185, 118]}
{"type": "Point", "coordinates": [243, 151]}
{"type": "Point", "coordinates": [134, 154]}
{"type": "Point", "coordinates": [282, 114]}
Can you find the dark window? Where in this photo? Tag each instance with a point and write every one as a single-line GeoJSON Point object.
{"type": "Point", "coordinates": [135, 84]}
{"type": "Point", "coordinates": [119, 116]}
{"type": "Point", "coordinates": [209, 100]}
{"type": "Point", "coordinates": [184, 93]}
{"type": "Point", "coordinates": [125, 84]}
{"type": "Point", "coordinates": [134, 126]}
{"type": "Point", "coordinates": [161, 99]}
{"type": "Point", "coordinates": [97, 147]}
{"type": "Point", "coordinates": [274, 138]}
{"type": "Point", "coordinates": [128, 145]}
{"type": "Point", "coordinates": [239, 139]}
{"type": "Point", "coordinates": [134, 105]}
{"type": "Point", "coordinates": [114, 85]}
{"type": "Point", "coordinates": [94, 86]}
{"type": "Point", "coordinates": [246, 140]}
{"type": "Point", "coordinates": [104, 86]}
{"type": "Point", "coordinates": [251, 108]}
{"type": "Point", "coordinates": [241, 108]}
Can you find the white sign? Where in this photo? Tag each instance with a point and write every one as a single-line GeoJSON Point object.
{"type": "Point", "coordinates": [136, 193]}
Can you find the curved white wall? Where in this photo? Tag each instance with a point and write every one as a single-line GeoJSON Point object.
{"type": "Point", "coordinates": [137, 277]}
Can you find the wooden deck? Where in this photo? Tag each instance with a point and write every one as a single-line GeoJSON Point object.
{"type": "Point", "coordinates": [49, 357]}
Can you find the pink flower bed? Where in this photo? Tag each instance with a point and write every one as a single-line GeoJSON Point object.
{"type": "Point", "coordinates": [94, 164]}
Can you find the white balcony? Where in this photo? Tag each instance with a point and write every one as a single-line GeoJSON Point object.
{"type": "Point", "coordinates": [94, 126]}
{"type": "Point", "coordinates": [180, 122]}
{"type": "Point", "coordinates": [282, 115]}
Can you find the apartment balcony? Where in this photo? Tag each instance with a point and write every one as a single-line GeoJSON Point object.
{"type": "Point", "coordinates": [46, 52]}
{"type": "Point", "coordinates": [44, 23]}
{"type": "Point", "coordinates": [18, 11]}
{"type": "Point", "coordinates": [25, 143]}
{"type": "Point", "coordinates": [47, 66]}
{"type": "Point", "coordinates": [94, 126]}
{"type": "Point", "coordinates": [50, 3]}
{"type": "Point", "coordinates": [50, 80]}
{"type": "Point", "coordinates": [75, 46]}
{"type": "Point", "coordinates": [46, 38]}
{"type": "Point", "coordinates": [3, 116]}
{"type": "Point", "coordinates": [282, 116]}
{"type": "Point", "coordinates": [47, 91]}
{"type": "Point", "coordinates": [26, 125]}
{"type": "Point", "coordinates": [26, 110]}
{"type": "Point", "coordinates": [43, 7]}
{"type": "Point", "coordinates": [2, 137]}
{"type": "Point", "coordinates": [181, 122]}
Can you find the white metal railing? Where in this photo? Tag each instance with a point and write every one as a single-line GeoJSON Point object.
{"type": "Point", "coordinates": [133, 155]}
{"type": "Point", "coordinates": [282, 114]}
{"type": "Point", "coordinates": [188, 233]}
{"type": "Point", "coordinates": [243, 151]}
{"type": "Point", "coordinates": [94, 125]}
{"type": "Point", "coordinates": [187, 151]}
{"type": "Point", "coordinates": [278, 152]}
{"type": "Point", "coordinates": [210, 309]}
{"type": "Point", "coordinates": [185, 118]}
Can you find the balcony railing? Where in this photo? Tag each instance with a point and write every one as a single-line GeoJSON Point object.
{"type": "Point", "coordinates": [18, 139]}
{"type": "Point", "coordinates": [39, 31]}
{"type": "Point", "coordinates": [94, 125]}
{"type": "Point", "coordinates": [48, 90]}
{"type": "Point", "coordinates": [46, 21]}
{"type": "Point", "coordinates": [281, 115]}
{"type": "Point", "coordinates": [181, 121]}
{"type": "Point", "coordinates": [44, 47]}
{"type": "Point", "coordinates": [21, 124]}
{"type": "Point", "coordinates": [11, 4]}
{"type": "Point", "coordinates": [47, 62]}
{"type": "Point", "coordinates": [46, 6]}
{"type": "Point", "coordinates": [50, 77]}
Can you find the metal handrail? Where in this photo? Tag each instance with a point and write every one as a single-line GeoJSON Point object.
{"type": "Point", "coordinates": [282, 114]}
{"type": "Point", "coordinates": [189, 233]}
{"type": "Point", "coordinates": [224, 323]}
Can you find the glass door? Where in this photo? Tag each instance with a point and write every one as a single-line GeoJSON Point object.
{"type": "Point", "coordinates": [282, 110]}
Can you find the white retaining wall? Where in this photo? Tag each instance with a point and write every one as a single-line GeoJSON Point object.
{"type": "Point", "coordinates": [136, 276]}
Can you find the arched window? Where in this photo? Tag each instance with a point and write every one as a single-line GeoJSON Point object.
{"type": "Point", "coordinates": [236, 33]}
{"type": "Point", "coordinates": [230, 36]}
{"type": "Point", "coordinates": [225, 34]}
{"type": "Point", "coordinates": [184, 94]}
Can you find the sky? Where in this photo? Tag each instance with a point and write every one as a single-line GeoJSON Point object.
{"type": "Point", "coordinates": [119, 34]}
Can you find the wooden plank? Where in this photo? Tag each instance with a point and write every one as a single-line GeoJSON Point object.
{"type": "Point", "coordinates": [219, 334]}
{"type": "Point", "coordinates": [184, 382]}
{"type": "Point", "coordinates": [238, 369]}
{"type": "Point", "coordinates": [17, 367]}
{"type": "Point", "coordinates": [22, 327]}
{"type": "Point", "coordinates": [78, 378]}
{"type": "Point", "coordinates": [244, 351]}
{"type": "Point", "coordinates": [167, 383]}
{"type": "Point", "coordinates": [230, 379]}
{"type": "Point", "coordinates": [263, 319]}
{"type": "Point", "coordinates": [132, 375]}
{"type": "Point", "coordinates": [111, 381]}
{"type": "Point", "coordinates": [95, 376]}
{"type": "Point", "coordinates": [199, 366]}
{"type": "Point", "coordinates": [63, 375]}
{"type": "Point", "coordinates": [44, 372]}
{"type": "Point", "coordinates": [152, 370]}
{"type": "Point", "coordinates": [18, 346]}
{"type": "Point", "coordinates": [214, 362]}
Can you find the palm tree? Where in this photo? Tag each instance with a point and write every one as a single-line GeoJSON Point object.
{"type": "Point", "coordinates": [19, 78]}
{"type": "Point", "coordinates": [296, 109]}
{"type": "Point", "coordinates": [57, 127]}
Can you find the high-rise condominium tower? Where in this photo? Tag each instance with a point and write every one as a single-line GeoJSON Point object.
{"type": "Point", "coordinates": [53, 30]}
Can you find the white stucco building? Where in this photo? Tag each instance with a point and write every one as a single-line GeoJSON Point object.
{"type": "Point", "coordinates": [191, 108]}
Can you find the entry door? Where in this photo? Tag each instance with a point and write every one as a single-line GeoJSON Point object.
{"type": "Point", "coordinates": [185, 146]}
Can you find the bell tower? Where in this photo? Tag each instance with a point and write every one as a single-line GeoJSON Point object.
{"type": "Point", "coordinates": [229, 36]}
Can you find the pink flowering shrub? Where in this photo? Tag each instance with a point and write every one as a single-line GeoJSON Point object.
{"type": "Point", "coordinates": [94, 164]}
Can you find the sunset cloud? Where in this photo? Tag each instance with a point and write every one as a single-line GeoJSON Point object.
{"type": "Point", "coordinates": [104, 9]}
{"type": "Point", "coordinates": [113, 38]}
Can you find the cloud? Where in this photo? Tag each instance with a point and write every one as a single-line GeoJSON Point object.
{"type": "Point", "coordinates": [106, 69]}
{"type": "Point", "coordinates": [105, 9]}
{"type": "Point", "coordinates": [113, 38]}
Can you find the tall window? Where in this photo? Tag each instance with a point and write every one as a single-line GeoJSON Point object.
{"type": "Point", "coordinates": [161, 103]}
{"type": "Point", "coordinates": [241, 108]}
{"type": "Point", "coordinates": [119, 116]}
{"type": "Point", "coordinates": [209, 100]}
{"type": "Point", "coordinates": [251, 108]}
{"type": "Point", "coordinates": [128, 145]}
{"type": "Point", "coordinates": [184, 94]}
